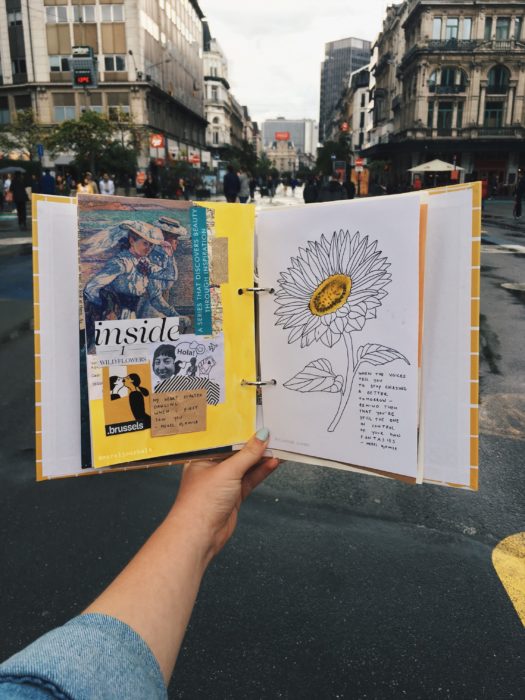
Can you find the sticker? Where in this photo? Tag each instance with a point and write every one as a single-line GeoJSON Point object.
{"type": "Point", "coordinates": [178, 412]}
{"type": "Point", "coordinates": [126, 393]}
{"type": "Point", "coordinates": [219, 261]}
{"type": "Point", "coordinates": [193, 362]}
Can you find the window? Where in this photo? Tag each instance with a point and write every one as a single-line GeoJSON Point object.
{"type": "Point", "coordinates": [58, 64]}
{"type": "Point", "coordinates": [62, 113]}
{"type": "Point", "coordinates": [84, 13]}
{"type": "Point", "coordinates": [215, 138]}
{"type": "Point", "coordinates": [112, 13]}
{"type": "Point", "coordinates": [57, 14]}
{"type": "Point", "coordinates": [14, 19]}
{"type": "Point", "coordinates": [488, 28]}
{"type": "Point", "coordinates": [467, 28]}
{"type": "Point", "coordinates": [19, 65]}
{"type": "Point", "coordinates": [498, 80]}
{"type": "Point", "coordinates": [451, 28]}
{"type": "Point", "coordinates": [213, 71]}
{"type": "Point", "coordinates": [114, 63]}
{"type": "Point", "coordinates": [430, 115]}
{"type": "Point", "coordinates": [214, 94]}
{"type": "Point", "coordinates": [493, 115]}
{"type": "Point", "coordinates": [4, 110]}
{"type": "Point", "coordinates": [459, 122]}
{"type": "Point", "coordinates": [215, 120]}
{"type": "Point", "coordinates": [436, 28]}
{"type": "Point", "coordinates": [118, 106]}
{"type": "Point", "coordinates": [363, 100]}
{"type": "Point", "coordinates": [518, 21]}
{"type": "Point", "coordinates": [444, 116]}
{"type": "Point", "coordinates": [502, 28]}
{"type": "Point", "coordinates": [362, 120]}
{"type": "Point", "coordinates": [448, 76]}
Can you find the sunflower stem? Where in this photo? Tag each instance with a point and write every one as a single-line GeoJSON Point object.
{"type": "Point", "coordinates": [348, 381]}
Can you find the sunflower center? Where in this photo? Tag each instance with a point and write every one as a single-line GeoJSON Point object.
{"type": "Point", "coordinates": [330, 295]}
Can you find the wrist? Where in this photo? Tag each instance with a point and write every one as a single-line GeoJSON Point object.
{"type": "Point", "coordinates": [192, 533]}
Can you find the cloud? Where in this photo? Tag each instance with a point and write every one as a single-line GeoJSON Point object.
{"type": "Point", "coordinates": [275, 48]}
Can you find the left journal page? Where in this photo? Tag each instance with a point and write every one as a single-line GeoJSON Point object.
{"type": "Point", "coordinates": [165, 327]}
{"type": "Point", "coordinates": [195, 378]}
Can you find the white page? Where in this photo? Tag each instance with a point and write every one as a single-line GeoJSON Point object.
{"type": "Point", "coordinates": [445, 406]}
{"type": "Point", "coordinates": [377, 427]}
{"type": "Point", "coordinates": [59, 338]}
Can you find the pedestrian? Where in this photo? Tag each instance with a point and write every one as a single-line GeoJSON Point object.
{"type": "Point", "coordinates": [86, 186]}
{"type": "Point", "coordinates": [47, 184]}
{"type": "Point", "coordinates": [231, 185]}
{"type": "Point", "coordinates": [92, 182]}
{"type": "Point", "coordinates": [8, 195]}
{"type": "Point", "coordinates": [125, 644]}
{"type": "Point", "coordinates": [293, 185]}
{"type": "Point", "coordinates": [252, 185]}
{"type": "Point", "coordinates": [332, 191]}
{"type": "Point", "coordinates": [106, 185]}
{"type": "Point", "coordinates": [244, 191]}
{"type": "Point", "coordinates": [149, 188]}
{"type": "Point", "coordinates": [349, 187]}
{"type": "Point", "coordinates": [518, 195]}
{"type": "Point", "coordinates": [311, 190]}
{"type": "Point", "coordinates": [62, 186]}
{"type": "Point", "coordinates": [270, 186]}
{"type": "Point", "coordinates": [20, 200]}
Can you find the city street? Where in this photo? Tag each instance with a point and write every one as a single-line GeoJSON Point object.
{"type": "Point", "coordinates": [335, 585]}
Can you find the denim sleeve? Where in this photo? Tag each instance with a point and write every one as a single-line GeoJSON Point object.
{"type": "Point", "coordinates": [92, 657]}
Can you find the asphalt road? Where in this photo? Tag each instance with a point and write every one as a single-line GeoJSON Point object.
{"type": "Point", "coordinates": [335, 585]}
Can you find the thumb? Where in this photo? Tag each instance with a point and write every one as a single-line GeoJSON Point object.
{"type": "Point", "coordinates": [252, 452]}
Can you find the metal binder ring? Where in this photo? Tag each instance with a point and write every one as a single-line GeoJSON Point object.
{"type": "Point", "coordinates": [270, 290]}
{"type": "Point", "coordinates": [271, 382]}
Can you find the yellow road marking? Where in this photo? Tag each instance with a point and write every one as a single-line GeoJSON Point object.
{"type": "Point", "coordinates": [508, 558]}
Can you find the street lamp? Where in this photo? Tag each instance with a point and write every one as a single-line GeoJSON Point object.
{"type": "Point", "coordinates": [140, 74]}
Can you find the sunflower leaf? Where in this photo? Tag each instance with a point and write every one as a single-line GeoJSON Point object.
{"type": "Point", "coordinates": [378, 354]}
{"type": "Point", "coordinates": [316, 376]}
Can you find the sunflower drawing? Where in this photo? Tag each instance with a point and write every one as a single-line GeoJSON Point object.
{"type": "Point", "coordinates": [330, 290]}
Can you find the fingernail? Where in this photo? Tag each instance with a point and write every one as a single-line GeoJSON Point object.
{"type": "Point", "coordinates": [262, 434]}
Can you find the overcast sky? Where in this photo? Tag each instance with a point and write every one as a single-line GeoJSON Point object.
{"type": "Point", "coordinates": [274, 48]}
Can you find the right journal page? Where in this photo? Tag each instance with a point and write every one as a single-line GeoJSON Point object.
{"type": "Point", "coordinates": [338, 336]}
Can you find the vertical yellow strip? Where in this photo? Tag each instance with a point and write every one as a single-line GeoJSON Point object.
{"type": "Point", "coordinates": [474, 335]}
{"type": "Point", "coordinates": [36, 326]}
{"type": "Point", "coordinates": [423, 218]}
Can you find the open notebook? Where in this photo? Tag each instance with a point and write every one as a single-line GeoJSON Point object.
{"type": "Point", "coordinates": [349, 329]}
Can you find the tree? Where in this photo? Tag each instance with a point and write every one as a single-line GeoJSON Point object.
{"type": "Point", "coordinates": [23, 134]}
{"type": "Point", "coordinates": [87, 137]}
{"type": "Point", "coordinates": [340, 149]}
{"type": "Point", "coordinates": [243, 156]}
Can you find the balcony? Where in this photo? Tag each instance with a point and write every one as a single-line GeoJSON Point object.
{"type": "Point", "coordinates": [447, 89]}
{"type": "Point", "coordinates": [497, 89]}
{"type": "Point", "coordinates": [455, 45]}
{"type": "Point", "coordinates": [499, 131]}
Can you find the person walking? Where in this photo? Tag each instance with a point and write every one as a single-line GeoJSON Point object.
{"type": "Point", "coordinates": [231, 185]}
{"type": "Point", "coordinates": [47, 184]}
{"type": "Point", "coordinates": [20, 199]}
{"type": "Point", "coordinates": [349, 187]}
{"type": "Point", "coordinates": [518, 196]}
{"type": "Point", "coordinates": [244, 191]}
{"type": "Point", "coordinates": [149, 188]}
{"type": "Point", "coordinates": [252, 185]}
{"type": "Point", "coordinates": [311, 190]}
{"type": "Point", "coordinates": [106, 185]}
{"type": "Point", "coordinates": [333, 191]}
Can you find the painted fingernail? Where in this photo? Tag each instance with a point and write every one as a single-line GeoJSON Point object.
{"type": "Point", "coordinates": [262, 434]}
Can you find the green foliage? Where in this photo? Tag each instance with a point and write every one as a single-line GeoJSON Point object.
{"type": "Point", "coordinates": [24, 134]}
{"type": "Point", "coordinates": [341, 149]}
{"type": "Point", "coordinates": [244, 156]}
{"type": "Point", "coordinates": [87, 137]}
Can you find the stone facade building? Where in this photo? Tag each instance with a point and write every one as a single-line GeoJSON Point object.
{"type": "Point", "coordinates": [283, 156]}
{"type": "Point", "coordinates": [450, 84]}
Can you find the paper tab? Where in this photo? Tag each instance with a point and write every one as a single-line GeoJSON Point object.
{"type": "Point", "coordinates": [178, 412]}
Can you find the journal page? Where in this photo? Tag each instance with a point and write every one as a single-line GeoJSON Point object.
{"type": "Point", "coordinates": [339, 333]}
{"type": "Point", "coordinates": [165, 327]}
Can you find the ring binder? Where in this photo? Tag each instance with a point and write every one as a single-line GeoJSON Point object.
{"type": "Point", "coordinates": [271, 382]}
{"type": "Point", "coordinates": [270, 290]}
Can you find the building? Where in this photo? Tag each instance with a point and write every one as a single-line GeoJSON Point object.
{"type": "Point", "coordinates": [302, 132]}
{"type": "Point", "coordinates": [149, 66]}
{"type": "Point", "coordinates": [359, 117]}
{"type": "Point", "coordinates": [341, 58]}
{"type": "Point", "coordinates": [283, 156]}
{"type": "Point", "coordinates": [460, 90]}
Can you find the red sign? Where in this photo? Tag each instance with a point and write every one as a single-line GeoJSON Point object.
{"type": "Point", "coordinates": [454, 175]}
{"type": "Point", "coordinates": [195, 158]}
{"type": "Point", "coordinates": [141, 178]}
{"type": "Point", "coordinates": [156, 140]}
{"type": "Point", "coordinates": [344, 126]}
{"type": "Point", "coordinates": [282, 135]}
{"type": "Point", "coordinates": [359, 162]}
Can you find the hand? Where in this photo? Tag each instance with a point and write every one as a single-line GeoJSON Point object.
{"type": "Point", "coordinates": [211, 493]}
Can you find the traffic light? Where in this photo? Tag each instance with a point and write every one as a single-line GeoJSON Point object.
{"type": "Point", "coordinates": [84, 67]}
